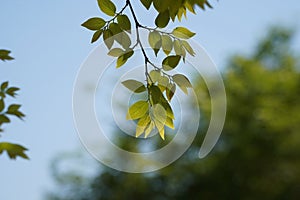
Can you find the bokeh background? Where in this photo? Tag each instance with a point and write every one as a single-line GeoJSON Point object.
{"type": "Point", "coordinates": [256, 45]}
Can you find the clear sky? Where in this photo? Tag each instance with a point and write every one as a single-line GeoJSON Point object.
{"type": "Point", "coordinates": [49, 45]}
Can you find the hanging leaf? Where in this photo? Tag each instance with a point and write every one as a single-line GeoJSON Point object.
{"type": "Point", "coordinates": [154, 39]}
{"type": "Point", "coordinates": [183, 82]}
{"type": "Point", "coordinates": [134, 86]}
{"type": "Point", "coordinates": [162, 19]}
{"type": "Point", "coordinates": [13, 150]}
{"type": "Point", "coordinates": [146, 3]}
{"type": "Point", "coordinates": [167, 44]}
{"type": "Point", "coordinates": [141, 125]}
{"type": "Point", "coordinates": [188, 48]}
{"type": "Point", "coordinates": [170, 62]}
{"type": "Point", "coordinates": [94, 23]}
{"type": "Point", "coordinates": [108, 38]}
{"type": "Point", "coordinates": [123, 58]}
{"type": "Point", "coordinates": [137, 110]}
{"type": "Point", "coordinates": [182, 32]}
{"type": "Point", "coordinates": [107, 7]}
{"type": "Point", "coordinates": [124, 22]}
{"type": "Point", "coordinates": [116, 52]}
{"type": "Point", "coordinates": [96, 36]}
{"type": "Point", "coordinates": [170, 91]}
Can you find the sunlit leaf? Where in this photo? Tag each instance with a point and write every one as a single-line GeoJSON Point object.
{"type": "Point", "coordinates": [123, 58]}
{"type": "Point", "coordinates": [183, 82]}
{"type": "Point", "coordinates": [167, 44]}
{"type": "Point", "coordinates": [116, 52]}
{"type": "Point", "coordinates": [134, 86]}
{"type": "Point", "coordinates": [137, 110]}
{"type": "Point", "coordinates": [94, 23]}
{"type": "Point", "coordinates": [142, 124]}
{"type": "Point", "coordinates": [155, 75]}
{"type": "Point", "coordinates": [107, 6]}
{"type": "Point", "coordinates": [154, 39]}
{"type": "Point", "coordinates": [149, 128]}
{"type": "Point", "coordinates": [188, 48]}
{"type": "Point", "coordinates": [182, 32]}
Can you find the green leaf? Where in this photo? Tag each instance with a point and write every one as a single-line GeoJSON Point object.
{"type": "Point", "coordinates": [170, 62]}
{"type": "Point", "coordinates": [167, 44]}
{"type": "Point", "coordinates": [107, 7]}
{"type": "Point", "coordinates": [188, 48]}
{"type": "Point", "coordinates": [154, 39]}
{"type": "Point", "coordinates": [124, 22]}
{"type": "Point", "coordinates": [146, 3]}
{"type": "Point", "coordinates": [94, 23]}
{"type": "Point", "coordinates": [120, 36]}
{"type": "Point", "coordinates": [4, 55]}
{"type": "Point", "coordinates": [4, 85]}
{"type": "Point", "coordinates": [12, 91]}
{"type": "Point", "coordinates": [13, 150]}
{"type": "Point", "coordinates": [116, 52]}
{"type": "Point", "coordinates": [134, 86]}
{"type": "Point", "coordinates": [163, 82]}
{"type": "Point", "coordinates": [183, 82]}
{"type": "Point", "coordinates": [2, 105]}
{"type": "Point", "coordinates": [182, 32]}
{"type": "Point", "coordinates": [96, 36]}
{"type": "Point", "coordinates": [123, 59]}
{"type": "Point", "coordinates": [4, 119]}
{"type": "Point", "coordinates": [170, 91]}
{"type": "Point", "coordinates": [161, 5]}
{"type": "Point", "coordinates": [141, 125]}
{"type": "Point", "coordinates": [13, 109]}
{"type": "Point", "coordinates": [108, 38]}
{"type": "Point", "coordinates": [137, 110]}
{"type": "Point", "coordinates": [162, 19]}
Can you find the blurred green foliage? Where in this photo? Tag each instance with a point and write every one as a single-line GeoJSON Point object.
{"type": "Point", "coordinates": [257, 156]}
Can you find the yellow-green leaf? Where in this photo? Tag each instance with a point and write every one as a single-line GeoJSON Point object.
{"type": "Point", "coordinates": [137, 110]}
{"type": "Point", "coordinates": [116, 52]}
{"type": "Point", "coordinates": [149, 128]}
{"type": "Point", "coordinates": [188, 48]}
{"type": "Point", "coordinates": [141, 125]}
{"type": "Point", "coordinates": [170, 91]}
{"type": "Point", "coordinates": [182, 32]}
{"type": "Point", "coordinates": [183, 82]}
{"type": "Point", "coordinates": [94, 23]}
{"type": "Point", "coordinates": [123, 58]}
{"type": "Point", "coordinates": [134, 86]}
{"type": "Point", "coordinates": [167, 44]}
{"type": "Point", "coordinates": [107, 6]}
{"type": "Point", "coordinates": [154, 39]}
{"type": "Point", "coordinates": [155, 75]}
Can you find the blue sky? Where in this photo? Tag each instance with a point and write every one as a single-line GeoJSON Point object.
{"type": "Point", "coordinates": [49, 45]}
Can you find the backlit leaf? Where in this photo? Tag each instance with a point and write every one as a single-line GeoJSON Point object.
{"type": "Point", "coordinates": [154, 39]}
{"type": "Point", "coordinates": [123, 58]}
{"type": "Point", "coordinates": [182, 32]}
{"type": "Point", "coordinates": [142, 124]}
{"type": "Point", "coordinates": [134, 86]}
{"type": "Point", "coordinates": [167, 44]}
{"type": "Point", "coordinates": [116, 52]}
{"type": "Point", "coordinates": [183, 82]}
{"type": "Point", "coordinates": [108, 38]}
{"type": "Point", "coordinates": [137, 110]}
